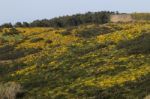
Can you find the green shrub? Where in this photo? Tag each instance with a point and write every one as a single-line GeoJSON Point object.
{"type": "Point", "coordinates": [38, 39]}
{"type": "Point", "coordinates": [94, 31]}
{"type": "Point", "coordinates": [8, 52]}
{"type": "Point", "coordinates": [138, 45]}
{"type": "Point", "coordinates": [11, 31]}
{"type": "Point", "coordinates": [87, 33]}
{"type": "Point", "coordinates": [12, 38]}
{"type": "Point", "coordinates": [49, 41]}
{"type": "Point", "coordinates": [2, 41]}
{"type": "Point", "coordinates": [66, 33]}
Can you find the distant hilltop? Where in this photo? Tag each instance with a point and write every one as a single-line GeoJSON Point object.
{"type": "Point", "coordinates": [121, 18]}
{"type": "Point", "coordinates": [129, 17]}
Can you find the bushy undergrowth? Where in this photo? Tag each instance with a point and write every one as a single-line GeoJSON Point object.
{"type": "Point", "coordinates": [138, 45]}
{"type": "Point", "coordinates": [110, 61]}
{"type": "Point", "coordinates": [94, 31]}
{"type": "Point", "coordinates": [34, 40]}
{"type": "Point", "coordinates": [11, 31]}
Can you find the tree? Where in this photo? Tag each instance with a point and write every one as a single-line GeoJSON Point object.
{"type": "Point", "coordinates": [7, 25]}
{"type": "Point", "coordinates": [18, 24]}
{"type": "Point", "coordinates": [67, 21]}
{"type": "Point", "coordinates": [25, 24]}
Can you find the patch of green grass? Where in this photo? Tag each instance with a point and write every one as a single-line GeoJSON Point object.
{"type": "Point", "coordinates": [34, 40]}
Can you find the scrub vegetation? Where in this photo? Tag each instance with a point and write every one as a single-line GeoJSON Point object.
{"type": "Point", "coordinates": [89, 61]}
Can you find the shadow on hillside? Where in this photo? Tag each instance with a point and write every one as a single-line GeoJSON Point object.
{"type": "Point", "coordinates": [93, 32]}
{"type": "Point", "coordinates": [63, 79]}
{"type": "Point", "coordinates": [140, 45]}
{"type": "Point", "coordinates": [6, 48]}
{"type": "Point", "coordinates": [131, 90]}
{"type": "Point", "coordinates": [10, 66]}
{"type": "Point", "coordinates": [8, 52]}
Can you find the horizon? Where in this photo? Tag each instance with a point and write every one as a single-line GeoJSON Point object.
{"type": "Point", "coordinates": [28, 11]}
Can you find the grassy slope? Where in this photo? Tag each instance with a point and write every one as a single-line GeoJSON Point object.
{"type": "Point", "coordinates": [110, 61]}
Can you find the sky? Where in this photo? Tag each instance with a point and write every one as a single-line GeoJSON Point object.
{"type": "Point", "coordinates": [29, 10]}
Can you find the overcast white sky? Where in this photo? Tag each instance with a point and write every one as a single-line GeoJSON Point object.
{"type": "Point", "coordinates": [29, 10]}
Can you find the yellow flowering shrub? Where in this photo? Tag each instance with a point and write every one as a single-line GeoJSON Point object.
{"type": "Point", "coordinates": [50, 64]}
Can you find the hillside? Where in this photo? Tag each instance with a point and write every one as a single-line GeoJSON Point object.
{"type": "Point", "coordinates": [109, 61]}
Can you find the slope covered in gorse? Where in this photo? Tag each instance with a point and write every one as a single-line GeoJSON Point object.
{"type": "Point", "coordinates": [110, 61]}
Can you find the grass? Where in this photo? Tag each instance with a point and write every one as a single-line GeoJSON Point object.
{"type": "Point", "coordinates": [10, 90]}
{"type": "Point", "coordinates": [109, 61]}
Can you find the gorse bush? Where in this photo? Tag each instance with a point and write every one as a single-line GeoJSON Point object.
{"type": "Point", "coordinates": [95, 30]}
{"type": "Point", "coordinates": [11, 31]}
{"type": "Point", "coordinates": [138, 45]}
{"type": "Point", "coordinates": [67, 32]}
{"type": "Point", "coordinates": [9, 52]}
{"type": "Point", "coordinates": [34, 40]}
{"type": "Point", "coordinates": [91, 61]}
{"type": "Point", "coordinates": [2, 41]}
{"type": "Point", "coordinates": [49, 41]}
{"type": "Point", "coordinates": [88, 33]}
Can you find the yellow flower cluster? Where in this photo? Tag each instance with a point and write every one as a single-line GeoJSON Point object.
{"type": "Point", "coordinates": [126, 76]}
{"type": "Point", "coordinates": [26, 71]}
{"type": "Point", "coordinates": [122, 35]}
